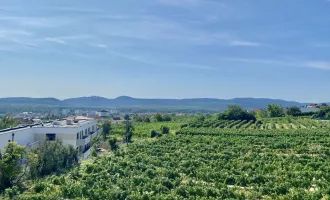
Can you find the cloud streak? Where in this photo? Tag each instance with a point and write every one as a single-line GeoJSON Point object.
{"type": "Point", "coordinates": [318, 65]}
{"type": "Point", "coordinates": [245, 43]}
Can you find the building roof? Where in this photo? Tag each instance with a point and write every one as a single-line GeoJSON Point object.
{"type": "Point", "coordinates": [79, 118]}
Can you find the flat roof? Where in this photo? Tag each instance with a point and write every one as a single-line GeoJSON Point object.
{"type": "Point", "coordinates": [49, 124]}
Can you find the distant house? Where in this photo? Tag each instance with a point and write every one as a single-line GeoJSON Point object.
{"type": "Point", "coordinates": [314, 105]}
{"type": "Point", "coordinates": [309, 109]}
{"type": "Point", "coordinates": [116, 118]}
{"type": "Point", "coordinates": [103, 113]}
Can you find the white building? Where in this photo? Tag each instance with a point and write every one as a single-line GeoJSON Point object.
{"type": "Point", "coordinates": [103, 113]}
{"type": "Point", "coordinates": [77, 132]}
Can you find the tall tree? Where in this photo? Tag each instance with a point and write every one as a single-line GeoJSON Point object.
{"type": "Point", "coordinates": [294, 111]}
{"type": "Point", "coordinates": [107, 129]}
{"type": "Point", "coordinates": [7, 122]}
{"type": "Point", "coordinates": [128, 131]}
{"type": "Point", "coordinates": [274, 110]}
{"type": "Point", "coordinates": [11, 170]}
{"type": "Point", "coordinates": [235, 112]}
{"type": "Point", "coordinates": [127, 117]}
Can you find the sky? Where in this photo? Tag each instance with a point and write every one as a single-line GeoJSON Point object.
{"type": "Point", "coordinates": [166, 49]}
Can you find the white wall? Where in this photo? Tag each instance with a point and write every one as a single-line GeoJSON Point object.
{"type": "Point", "coordinates": [22, 137]}
{"type": "Point", "coordinates": [30, 135]}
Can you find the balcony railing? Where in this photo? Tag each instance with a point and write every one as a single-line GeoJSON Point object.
{"type": "Point", "coordinates": [84, 137]}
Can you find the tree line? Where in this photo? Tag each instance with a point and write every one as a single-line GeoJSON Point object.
{"type": "Point", "coordinates": [18, 164]}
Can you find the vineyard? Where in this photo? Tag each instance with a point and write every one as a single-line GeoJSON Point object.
{"type": "Point", "coordinates": [265, 124]}
{"type": "Point", "coordinates": [209, 163]}
{"type": "Point", "coordinates": [277, 158]}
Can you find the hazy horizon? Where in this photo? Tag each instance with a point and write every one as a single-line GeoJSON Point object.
{"type": "Point", "coordinates": [167, 98]}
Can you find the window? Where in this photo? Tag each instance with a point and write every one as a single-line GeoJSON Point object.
{"type": "Point", "coordinates": [12, 137]}
{"type": "Point", "coordinates": [51, 137]}
{"type": "Point", "coordinates": [8, 140]}
{"type": "Point", "coordinates": [77, 136]}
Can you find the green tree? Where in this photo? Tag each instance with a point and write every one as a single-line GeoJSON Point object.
{"type": "Point", "coordinates": [294, 111]}
{"type": "Point", "coordinates": [113, 144]}
{"type": "Point", "coordinates": [274, 110]}
{"type": "Point", "coordinates": [165, 130]}
{"type": "Point", "coordinates": [261, 114]}
{"type": "Point", "coordinates": [235, 112]}
{"type": "Point", "coordinates": [323, 112]}
{"type": "Point", "coordinates": [154, 134]}
{"type": "Point", "coordinates": [327, 116]}
{"type": "Point", "coordinates": [127, 117]}
{"type": "Point", "coordinates": [128, 131]}
{"type": "Point", "coordinates": [167, 118]}
{"type": "Point", "coordinates": [7, 122]}
{"type": "Point", "coordinates": [143, 118]}
{"type": "Point", "coordinates": [158, 117]}
{"type": "Point", "coordinates": [52, 157]}
{"type": "Point", "coordinates": [11, 170]}
{"type": "Point", "coordinates": [107, 129]}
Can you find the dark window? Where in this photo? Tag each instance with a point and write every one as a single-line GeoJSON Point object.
{"type": "Point", "coordinates": [8, 140]}
{"type": "Point", "coordinates": [77, 136]}
{"type": "Point", "coordinates": [13, 137]}
{"type": "Point", "coordinates": [51, 137]}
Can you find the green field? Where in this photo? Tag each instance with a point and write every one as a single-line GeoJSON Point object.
{"type": "Point", "coordinates": [232, 162]}
{"type": "Point", "coordinates": [264, 124]}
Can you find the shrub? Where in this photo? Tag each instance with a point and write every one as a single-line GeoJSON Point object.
{"type": "Point", "coordinates": [165, 130]}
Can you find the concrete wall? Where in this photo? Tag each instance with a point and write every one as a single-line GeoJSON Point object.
{"type": "Point", "coordinates": [68, 135]}
{"type": "Point", "coordinates": [21, 136]}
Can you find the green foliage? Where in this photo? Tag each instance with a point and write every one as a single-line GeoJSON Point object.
{"type": "Point", "coordinates": [11, 170]}
{"type": "Point", "coordinates": [128, 131]}
{"type": "Point", "coordinates": [236, 113]}
{"type": "Point", "coordinates": [324, 112]}
{"type": "Point", "coordinates": [107, 129]}
{"type": "Point", "coordinates": [93, 152]}
{"type": "Point", "coordinates": [261, 114]}
{"type": "Point", "coordinates": [165, 130]}
{"type": "Point", "coordinates": [127, 117]}
{"type": "Point", "coordinates": [294, 111]}
{"type": "Point", "coordinates": [274, 110]}
{"type": "Point", "coordinates": [154, 134]}
{"type": "Point", "coordinates": [113, 144]}
{"type": "Point", "coordinates": [52, 157]}
{"type": "Point", "coordinates": [162, 118]}
{"type": "Point", "coordinates": [230, 164]}
{"type": "Point", "coordinates": [327, 116]}
{"type": "Point", "coordinates": [142, 118]}
{"type": "Point", "coordinates": [7, 122]}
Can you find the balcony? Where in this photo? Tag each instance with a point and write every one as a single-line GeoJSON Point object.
{"type": "Point", "coordinates": [85, 140]}
{"type": "Point", "coordinates": [85, 154]}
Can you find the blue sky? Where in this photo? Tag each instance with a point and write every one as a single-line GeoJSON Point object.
{"type": "Point", "coordinates": [166, 48]}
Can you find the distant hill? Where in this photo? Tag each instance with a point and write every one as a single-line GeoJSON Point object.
{"type": "Point", "coordinates": [129, 102]}
{"type": "Point", "coordinates": [27, 100]}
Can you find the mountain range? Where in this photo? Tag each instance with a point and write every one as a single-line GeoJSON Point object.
{"type": "Point", "coordinates": [130, 102]}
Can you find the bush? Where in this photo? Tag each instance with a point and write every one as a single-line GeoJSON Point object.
{"type": "Point", "coordinates": [113, 144]}
{"type": "Point", "coordinates": [165, 130]}
{"type": "Point", "coordinates": [154, 134]}
{"type": "Point", "coordinates": [236, 113]}
{"type": "Point", "coordinates": [162, 118]}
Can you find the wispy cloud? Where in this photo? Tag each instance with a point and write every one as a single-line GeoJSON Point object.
{"type": "Point", "coordinates": [322, 65]}
{"type": "Point", "coordinates": [9, 33]}
{"type": "Point", "coordinates": [102, 46]}
{"type": "Point", "coordinates": [318, 65]}
{"type": "Point", "coordinates": [45, 22]}
{"type": "Point", "coordinates": [191, 66]}
{"type": "Point", "coordinates": [56, 40]}
{"type": "Point", "coordinates": [67, 39]}
{"type": "Point", "coordinates": [245, 43]}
